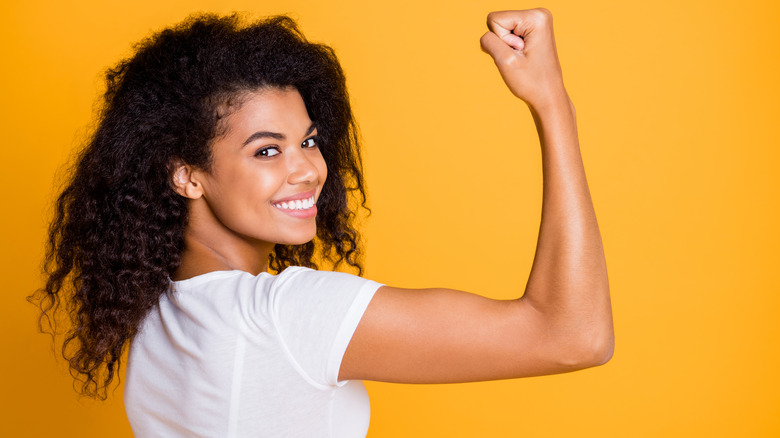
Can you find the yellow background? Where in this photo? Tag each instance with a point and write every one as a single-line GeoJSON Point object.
{"type": "Point", "coordinates": [678, 112]}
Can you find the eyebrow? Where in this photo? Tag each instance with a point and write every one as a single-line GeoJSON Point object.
{"type": "Point", "coordinates": [274, 135]}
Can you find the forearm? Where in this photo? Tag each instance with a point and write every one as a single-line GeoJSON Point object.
{"type": "Point", "coordinates": [568, 283]}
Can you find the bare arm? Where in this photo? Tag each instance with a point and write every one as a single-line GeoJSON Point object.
{"type": "Point", "coordinates": [563, 322]}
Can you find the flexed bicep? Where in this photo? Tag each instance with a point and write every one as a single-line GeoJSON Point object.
{"type": "Point", "coordinates": [563, 321]}
{"type": "Point", "coordinates": [448, 336]}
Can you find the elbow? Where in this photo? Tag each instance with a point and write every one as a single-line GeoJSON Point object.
{"type": "Point", "coordinates": [587, 349]}
{"type": "Point", "coordinates": [601, 350]}
{"type": "Point", "coordinates": [592, 339]}
{"type": "Point", "coordinates": [578, 338]}
{"type": "Point", "coordinates": [597, 349]}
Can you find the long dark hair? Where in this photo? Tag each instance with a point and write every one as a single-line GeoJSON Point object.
{"type": "Point", "coordinates": [117, 233]}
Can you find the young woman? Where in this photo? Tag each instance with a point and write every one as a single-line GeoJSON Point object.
{"type": "Point", "coordinates": [225, 150]}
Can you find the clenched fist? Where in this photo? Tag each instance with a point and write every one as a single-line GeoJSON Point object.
{"type": "Point", "coordinates": [522, 45]}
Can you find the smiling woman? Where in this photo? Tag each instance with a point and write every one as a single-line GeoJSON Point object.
{"type": "Point", "coordinates": [227, 150]}
{"type": "Point", "coordinates": [266, 175]}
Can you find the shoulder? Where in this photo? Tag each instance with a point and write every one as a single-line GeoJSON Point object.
{"type": "Point", "coordinates": [302, 293]}
{"type": "Point", "coordinates": [219, 285]}
{"type": "Point", "coordinates": [293, 290]}
{"type": "Point", "coordinates": [307, 279]}
{"type": "Point", "coordinates": [311, 287]}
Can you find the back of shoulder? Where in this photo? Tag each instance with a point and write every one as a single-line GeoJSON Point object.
{"type": "Point", "coordinates": [293, 293]}
{"type": "Point", "coordinates": [299, 293]}
{"type": "Point", "coordinates": [306, 280]}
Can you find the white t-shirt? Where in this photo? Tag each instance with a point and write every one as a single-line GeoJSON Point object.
{"type": "Point", "coordinates": [230, 354]}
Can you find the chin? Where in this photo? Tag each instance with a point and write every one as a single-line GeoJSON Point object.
{"type": "Point", "coordinates": [299, 239]}
{"type": "Point", "coordinates": [296, 242]}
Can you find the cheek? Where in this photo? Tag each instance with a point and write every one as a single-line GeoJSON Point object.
{"type": "Point", "coordinates": [322, 168]}
{"type": "Point", "coordinates": [261, 187]}
{"type": "Point", "coordinates": [247, 190]}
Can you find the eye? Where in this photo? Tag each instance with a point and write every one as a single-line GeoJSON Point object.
{"type": "Point", "coordinates": [309, 143]}
{"type": "Point", "coordinates": [269, 151]}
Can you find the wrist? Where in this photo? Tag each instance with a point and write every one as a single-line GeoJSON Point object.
{"type": "Point", "coordinates": [553, 103]}
{"type": "Point", "coordinates": [554, 111]}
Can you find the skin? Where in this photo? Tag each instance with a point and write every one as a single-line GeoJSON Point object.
{"type": "Point", "coordinates": [267, 154]}
{"type": "Point", "coordinates": [561, 323]}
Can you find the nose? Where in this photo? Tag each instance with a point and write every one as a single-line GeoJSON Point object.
{"type": "Point", "coordinates": [302, 170]}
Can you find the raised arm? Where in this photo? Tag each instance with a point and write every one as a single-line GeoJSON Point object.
{"type": "Point", "coordinates": [563, 321]}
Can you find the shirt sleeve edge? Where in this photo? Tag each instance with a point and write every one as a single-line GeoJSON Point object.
{"type": "Point", "coordinates": [347, 329]}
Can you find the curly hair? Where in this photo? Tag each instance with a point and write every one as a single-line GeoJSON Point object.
{"type": "Point", "coordinates": [117, 233]}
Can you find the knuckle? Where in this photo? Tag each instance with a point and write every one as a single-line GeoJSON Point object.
{"type": "Point", "coordinates": [545, 12]}
{"type": "Point", "coordinates": [543, 15]}
{"type": "Point", "coordinates": [510, 60]}
{"type": "Point", "coordinates": [483, 41]}
{"type": "Point", "coordinates": [491, 17]}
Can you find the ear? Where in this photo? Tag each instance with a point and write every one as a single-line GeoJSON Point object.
{"type": "Point", "coordinates": [184, 180]}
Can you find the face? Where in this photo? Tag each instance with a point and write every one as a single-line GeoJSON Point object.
{"type": "Point", "coordinates": [267, 170]}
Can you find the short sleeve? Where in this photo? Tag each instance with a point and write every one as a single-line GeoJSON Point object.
{"type": "Point", "coordinates": [316, 314]}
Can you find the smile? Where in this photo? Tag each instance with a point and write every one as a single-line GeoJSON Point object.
{"type": "Point", "coordinates": [297, 204]}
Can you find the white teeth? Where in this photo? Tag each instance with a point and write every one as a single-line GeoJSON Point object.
{"type": "Point", "coordinates": [298, 204]}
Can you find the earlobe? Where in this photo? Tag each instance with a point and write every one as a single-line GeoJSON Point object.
{"type": "Point", "coordinates": [183, 181]}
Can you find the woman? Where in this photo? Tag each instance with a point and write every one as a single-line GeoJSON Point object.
{"type": "Point", "coordinates": [222, 151]}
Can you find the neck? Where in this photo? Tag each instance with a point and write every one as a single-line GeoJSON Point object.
{"type": "Point", "coordinates": [210, 246]}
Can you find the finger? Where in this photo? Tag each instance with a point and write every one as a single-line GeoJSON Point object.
{"type": "Point", "coordinates": [514, 41]}
{"type": "Point", "coordinates": [501, 23]}
{"type": "Point", "coordinates": [496, 47]}
{"type": "Point", "coordinates": [520, 23]}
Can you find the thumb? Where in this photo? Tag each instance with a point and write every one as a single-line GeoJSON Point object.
{"type": "Point", "coordinates": [506, 30]}
{"type": "Point", "coordinates": [514, 41]}
{"type": "Point", "coordinates": [499, 48]}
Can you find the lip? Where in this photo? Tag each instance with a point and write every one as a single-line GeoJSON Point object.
{"type": "Point", "coordinates": [302, 214]}
{"type": "Point", "coordinates": [296, 197]}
